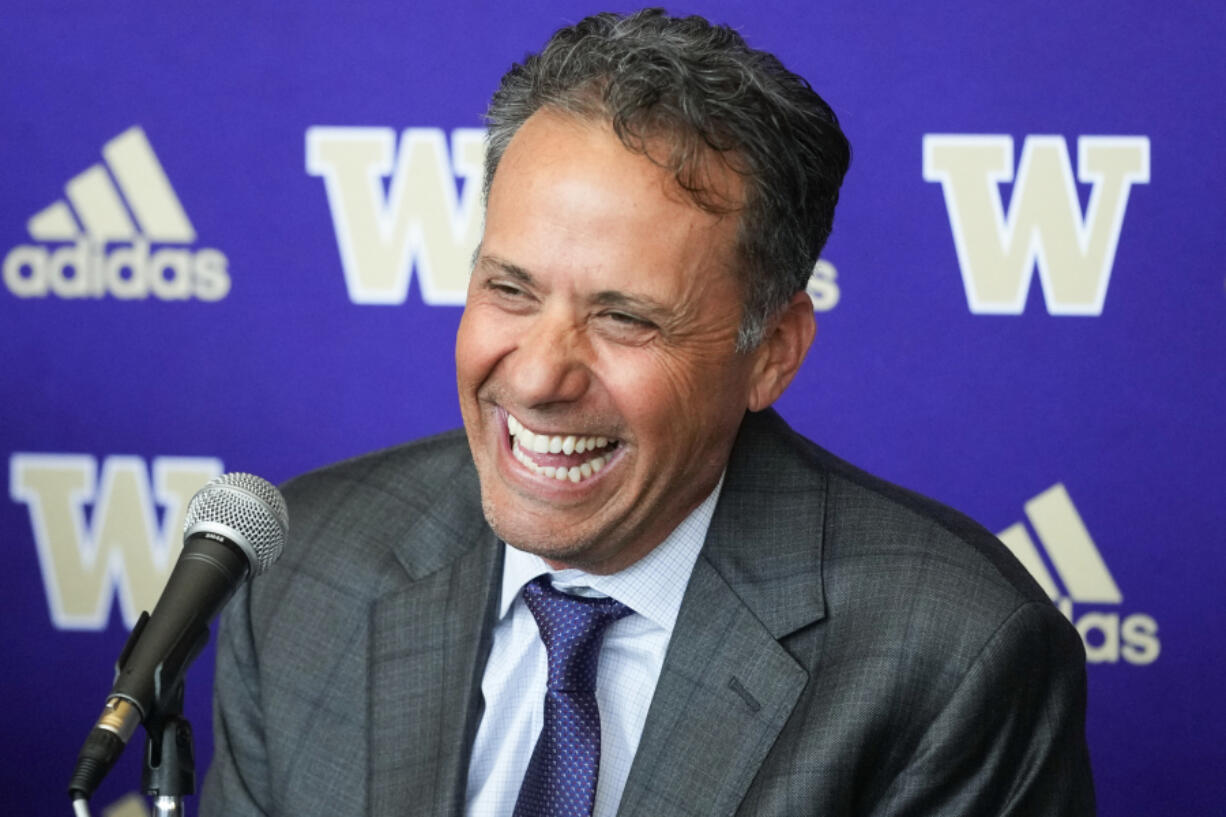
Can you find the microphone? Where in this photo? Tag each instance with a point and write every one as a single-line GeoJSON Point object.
{"type": "Point", "coordinates": [235, 527]}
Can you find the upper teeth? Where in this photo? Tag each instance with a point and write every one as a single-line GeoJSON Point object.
{"type": "Point", "coordinates": [524, 440]}
{"type": "Point", "coordinates": [552, 444]}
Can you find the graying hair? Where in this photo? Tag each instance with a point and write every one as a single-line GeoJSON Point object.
{"type": "Point", "coordinates": [700, 89]}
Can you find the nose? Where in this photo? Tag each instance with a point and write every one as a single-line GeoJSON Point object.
{"type": "Point", "coordinates": [550, 362]}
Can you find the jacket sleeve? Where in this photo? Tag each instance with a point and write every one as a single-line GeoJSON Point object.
{"type": "Point", "coordinates": [237, 781]}
{"type": "Point", "coordinates": [1011, 739]}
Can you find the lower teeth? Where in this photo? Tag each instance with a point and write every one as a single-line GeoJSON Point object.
{"type": "Point", "coordinates": [576, 473]}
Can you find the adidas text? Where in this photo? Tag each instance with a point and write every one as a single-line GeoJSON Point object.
{"type": "Point", "coordinates": [84, 270]}
{"type": "Point", "coordinates": [1108, 637]}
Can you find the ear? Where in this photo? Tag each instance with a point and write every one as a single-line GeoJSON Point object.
{"type": "Point", "coordinates": [782, 351]}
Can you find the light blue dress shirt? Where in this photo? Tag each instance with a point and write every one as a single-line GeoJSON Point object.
{"type": "Point", "coordinates": [631, 657]}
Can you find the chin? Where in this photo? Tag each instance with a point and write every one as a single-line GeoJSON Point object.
{"type": "Point", "coordinates": [556, 543]}
{"type": "Point", "coordinates": [543, 543]}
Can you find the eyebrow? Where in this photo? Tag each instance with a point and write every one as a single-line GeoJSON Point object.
{"type": "Point", "coordinates": [507, 268]}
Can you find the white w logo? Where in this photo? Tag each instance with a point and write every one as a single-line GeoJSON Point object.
{"type": "Point", "coordinates": [1044, 225]}
{"type": "Point", "coordinates": [421, 219]}
{"type": "Point", "coordinates": [122, 550]}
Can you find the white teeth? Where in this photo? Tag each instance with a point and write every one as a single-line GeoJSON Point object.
{"type": "Point", "coordinates": [552, 443]}
{"type": "Point", "coordinates": [524, 441]}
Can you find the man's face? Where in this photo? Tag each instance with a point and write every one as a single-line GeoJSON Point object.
{"type": "Point", "coordinates": [601, 317]}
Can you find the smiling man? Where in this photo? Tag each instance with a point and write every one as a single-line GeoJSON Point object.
{"type": "Point", "coordinates": [598, 371]}
{"type": "Point", "coordinates": [628, 587]}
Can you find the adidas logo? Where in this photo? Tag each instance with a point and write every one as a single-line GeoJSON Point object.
{"type": "Point", "coordinates": [1080, 566]}
{"type": "Point", "coordinates": [106, 231]}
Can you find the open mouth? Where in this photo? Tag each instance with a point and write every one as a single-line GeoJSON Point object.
{"type": "Point", "coordinates": [573, 457]}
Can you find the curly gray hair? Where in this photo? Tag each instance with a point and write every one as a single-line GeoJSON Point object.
{"type": "Point", "coordinates": [702, 89]}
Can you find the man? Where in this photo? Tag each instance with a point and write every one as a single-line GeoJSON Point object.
{"type": "Point", "coordinates": [778, 632]}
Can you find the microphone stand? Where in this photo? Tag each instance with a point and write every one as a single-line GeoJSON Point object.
{"type": "Point", "coordinates": [170, 759]}
{"type": "Point", "coordinates": [148, 685]}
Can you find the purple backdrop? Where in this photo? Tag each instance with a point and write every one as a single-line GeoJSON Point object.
{"type": "Point", "coordinates": [1092, 441]}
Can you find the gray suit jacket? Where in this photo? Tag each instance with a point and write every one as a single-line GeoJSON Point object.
{"type": "Point", "coordinates": [844, 647]}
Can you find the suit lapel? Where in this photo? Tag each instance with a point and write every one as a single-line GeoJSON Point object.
{"type": "Point", "coordinates": [430, 637]}
{"type": "Point", "coordinates": [728, 686]}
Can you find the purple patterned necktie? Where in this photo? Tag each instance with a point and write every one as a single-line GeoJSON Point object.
{"type": "Point", "coordinates": [561, 777]}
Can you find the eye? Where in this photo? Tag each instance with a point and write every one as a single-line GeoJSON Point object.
{"type": "Point", "coordinates": [628, 320]}
{"type": "Point", "coordinates": [626, 327]}
{"type": "Point", "coordinates": [509, 294]}
{"type": "Point", "coordinates": [504, 288]}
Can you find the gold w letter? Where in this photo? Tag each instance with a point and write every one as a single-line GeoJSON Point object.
{"type": "Point", "coordinates": [1044, 226]}
{"type": "Point", "coordinates": [122, 550]}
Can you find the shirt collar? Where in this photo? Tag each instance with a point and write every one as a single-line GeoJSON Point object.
{"type": "Point", "coordinates": [653, 586]}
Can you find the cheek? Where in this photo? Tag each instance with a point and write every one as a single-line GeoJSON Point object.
{"type": "Point", "coordinates": [654, 393]}
{"type": "Point", "coordinates": [685, 400]}
{"type": "Point", "coordinates": [479, 346]}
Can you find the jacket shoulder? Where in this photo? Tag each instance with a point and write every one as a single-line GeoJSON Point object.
{"type": "Point", "coordinates": [870, 524]}
{"type": "Point", "coordinates": [358, 526]}
{"type": "Point", "coordinates": [403, 472]}
{"type": "Point", "coordinates": [922, 611]}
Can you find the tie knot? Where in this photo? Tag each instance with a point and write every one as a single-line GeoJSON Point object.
{"type": "Point", "coordinates": [572, 628]}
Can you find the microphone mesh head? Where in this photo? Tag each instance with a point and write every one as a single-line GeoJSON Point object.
{"type": "Point", "coordinates": [246, 509]}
